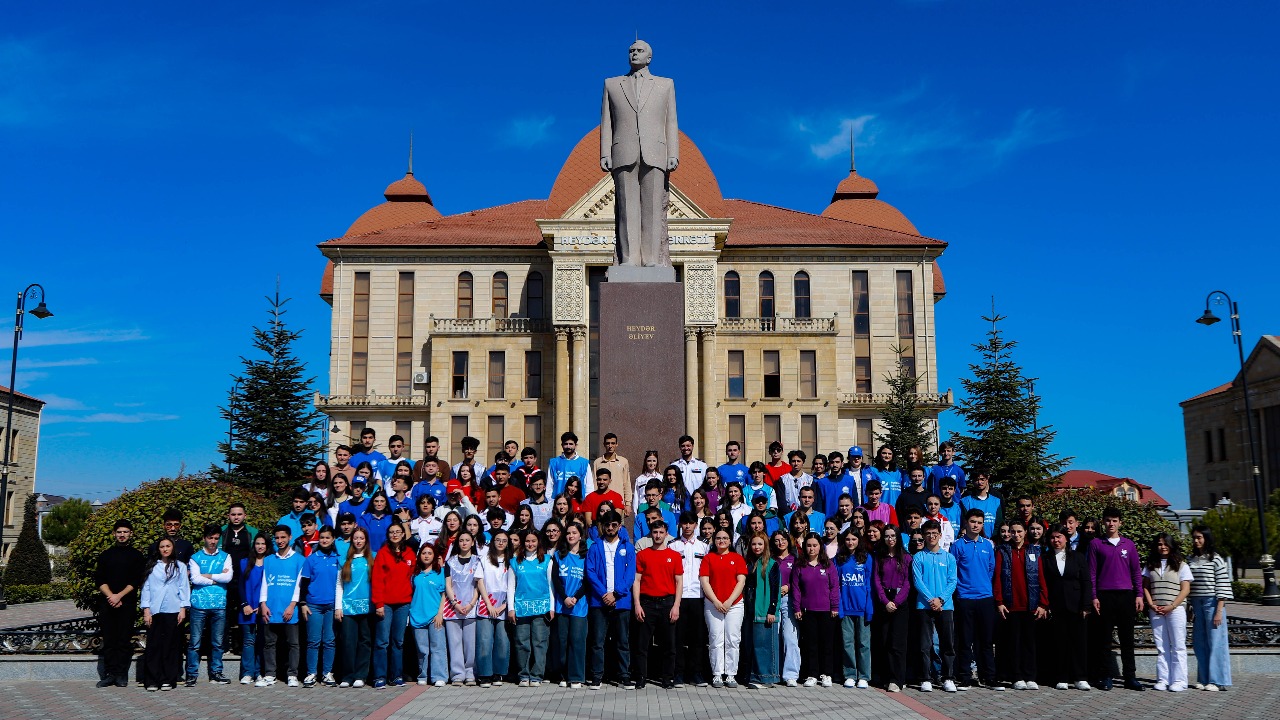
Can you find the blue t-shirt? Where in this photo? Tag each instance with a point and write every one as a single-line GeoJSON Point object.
{"type": "Point", "coordinates": [733, 472]}
{"type": "Point", "coordinates": [434, 488]}
{"type": "Point", "coordinates": [939, 471]}
{"type": "Point", "coordinates": [373, 457]}
{"type": "Point", "coordinates": [890, 484]}
{"type": "Point", "coordinates": [386, 469]}
{"type": "Point", "coordinates": [828, 492]}
{"type": "Point", "coordinates": [428, 588]}
{"type": "Point", "coordinates": [571, 568]}
{"type": "Point", "coordinates": [293, 521]}
{"type": "Point", "coordinates": [975, 564]}
{"type": "Point", "coordinates": [321, 568]}
{"type": "Point", "coordinates": [356, 593]}
{"type": "Point", "coordinates": [533, 591]}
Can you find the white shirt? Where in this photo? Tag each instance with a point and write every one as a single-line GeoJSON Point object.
{"type": "Point", "coordinates": [1061, 557]}
{"type": "Point", "coordinates": [638, 498]}
{"type": "Point", "coordinates": [694, 471]}
{"type": "Point", "coordinates": [692, 551]}
{"type": "Point", "coordinates": [610, 552]}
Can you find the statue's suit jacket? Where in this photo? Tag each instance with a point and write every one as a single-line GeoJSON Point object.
{"type": "Point", "coordinates": [639, 128]}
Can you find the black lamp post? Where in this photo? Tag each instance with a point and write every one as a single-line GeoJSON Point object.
{"type": "Point", "coordinates": [33, 292]}
{"type": "Point", "coordinates": [1270, 592]}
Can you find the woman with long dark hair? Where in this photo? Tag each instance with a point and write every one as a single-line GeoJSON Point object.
{"type": "Point", "coordinates": [353, 610]}
{"type": "Point", "coordinates": [250, 579]}
{"type": "Point", "coordinates": [857, 608]}
{"type": "Point", "coordinates": [815, 593]}
{"type": "Point", "coordinates": [1210, 590]}
{"type": "Point", "coordinates": [780, 546]}
{"type": "Point", "coordinates": [650, 472]}
{"type": "Point", "coordinates": [493, 647]}
{"type": "Point", "coordinates": [713, 488]}
{"type": "Point", "coordinates": [569, 583]}
{"type": "Point", "coordinates": [892, 586]}
{"type": "Point", "coordinates": [166, 595]}
{"type": "Point", "coordinates": [1165, 587]}
{"type": "Point", "coordinates": [320, 482]}
{"type": "Point", "coordinates": [735, 504]}
{"type": "Point", "coordinates": [887, 472]}
{"type": "Point", "coordinates": [391, 593]}
{"type": "Point", "coordinates": [464, 586]}
{"type": "Point", "coordinates": [532, 607]}
{"type": "Point", "coordinates": [1066, 575]}
{"type": "Point", "coordinates": [760, 598]}
{"type": "Point", "coordinates": [1021, 599]}
{"type": "Point", "coordinates": [426, 617]}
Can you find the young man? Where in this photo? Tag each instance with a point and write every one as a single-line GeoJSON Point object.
{"type": "Point", "coordinates": [861, 472]}
{"type": "Point", "coordinates": [933, 573]}
{"type": "Point", "coordinates": [568, 464]}
{"type": "Point", "coordinates": [933, 511]}
{"type": "Point", "coordinates": [610, 569]}
{"type": "Point", "coordinates": [237, 541]}
{"type": "Point", "coordinates": [760, 506]}
{"type": "Point", "coordinates": [365, 452]}
{"type": "Point", "coordinates": [759, 483]}
{"type": "Point", "coordinates": [1116, 575]}
{"type": "Point", "coordinates": [981, 497]}
{"type": "Point", "coordinates": [776, 468]}
{"type": "Point", "coordinates": [975, 616]}
{"type": "Point", "coordinates": [293, 518]}
{"type": "Point", "coordinates": [619, 470]}
{"type": "Point", "coordinates": [346, 528]}
{"type": "Point", "coordinates": [915, 494]}
{"type": "Point", "coordinates": [118, 576]}
{"type": "Point", "coordinates": [386, 469]}
{"type": "Point", "coordinates": [806, 508]}
{"type": "Point", "coordinates": [319, 592]}
{"type": "Point", "coordinates": [732, 471]}
{"type": "Point", "coordinates": [358, 502]}
{"type": "Point", "coordinates": [1025, 510]}
{"type": "Point", "coordinates": [692, 661]}
{"type": "Point", "coordinates": [799, 478]}
{"type": "Point", "coordinates": [278, 604]}
{"type": "Point", "coordinates": [653, 499]}
{"type": "Point", "coordinates": [603, 492]}
{"type": "Point", "coordinates": [509, 497]}
{"type": "Point", "coordinates": [949, 507]}
{"type": "Point", "coordinates": [182, 547]}
{"type": "Point", "coordinates": [431, 451]}
{"type": "Point", "coordinates": [693, 469]}
{"type": "Point", "coordinates": [399, 501]}
{"type": "Point", "coordinates": [309, 539]}
{"type": "Point", "coordinates": [210, 571]}
{"type": "Point", "coordinates": [469, 447]}
{"type": "Point", "coordinates": [830, 488]}
{"type": "Point", "coordinates": [542, 504]}
{"type": "Point", "coordinates": [493, 501]}
{"type": "Point", "coordinates": [342, 463]}
{"type": "Point", "coordinates": [946, 468]}
{"type": "Point", "coordinates": [1076, 540]}
{"type": "Point", "coordinates": [650, 515]}
{"type": "Point", "coordinates": [520, 476]}
{"type": "Point", "coordinates": [431, 483]}
{"type": "Point", "coordinates": [659, 577]}
{"type": "Point", "coordinates": [876, 510]}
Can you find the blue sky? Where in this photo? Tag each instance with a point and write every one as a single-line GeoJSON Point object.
{"type": "Point", "coordinates": [1096, 167]}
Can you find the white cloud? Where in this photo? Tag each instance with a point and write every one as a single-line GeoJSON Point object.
{"type": "Point", "coordinates": [57, 402]}
{"type": "Point", "coordinates": [117, 418]}
{"type": "Point", "coordinates": [46, 338]}
{"type": "Point", "coordinates": [128, 404]}
{"type": "Point", "coordinates": [69, 362]}
{"type": "Point", "coordinates": [839, 143]}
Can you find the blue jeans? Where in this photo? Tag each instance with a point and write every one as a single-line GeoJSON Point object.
{"type": "Point", "coordinates": [572, 633]}
{"type": "Point", "coordinates": [250, 662]}
{"type": "Point", "coordinates": [790, 640]}
{"type": "Point", "coordinates": [320, 634]}
{"type": "Point", "coordinates": [431, 653]}
{"type": "Point", "coordinates": [605, 621]}
{"type": "Point", "coordinates": [216, 620]}
{"type": "Point", "coordinates": [857, 647]}
{"type": "Point", "coordinates": [531, 646]}
{"type": "Point", "coordinates": [388, 643]}
{"type": "Point", "coordinates": [1213, 659]}
{"type": "Point", "coordinates": [764, 647]}
{"type": "Point", "coordinates": [493, 649]}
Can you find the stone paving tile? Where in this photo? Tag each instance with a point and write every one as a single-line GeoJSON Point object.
{"type": "Point", "coordinates": [41, 612]}
{"type": "Point", "coordinates": [1253, 611]}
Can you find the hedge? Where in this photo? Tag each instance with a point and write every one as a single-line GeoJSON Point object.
{"type": "Point", "coordinates": [1138, 522]}
{"type": "Point", "coordinates": [16, 594]}
{"type": "Point", "coordinates": [1246, 591]}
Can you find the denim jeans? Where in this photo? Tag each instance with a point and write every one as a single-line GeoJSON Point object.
{"type": "Point", "coordinates": [431, 653]}
{"type": "Point", "coordinates": [461, 634]}
{"type": "Point", "coordinates": [388, 645]}
{"type": "Point", "coordinates": [250, 651]}
{"type": "Point", "coordinates": [764, 650]}
{"type": "Point", "coordinates": [215, 619]}
{"type": "Point", "coordinates": [572, 633]}
{"type": "Point", "coordinates": [1213, 659]}
{"type": "Point", "coordinates": [857, 647]}
{"type": "Point", "coordinates": [357, 643]}
{"type": "Point", "coordinates": [790, 640]}
{"type": "Point", "coordinates": [531, 646]}
{"type": "Point", "coordinates": [320, 635]}
{"type": "Point", "coordinates": [493, 648]}
{"type": "Point", "coordinates": [605, 621]}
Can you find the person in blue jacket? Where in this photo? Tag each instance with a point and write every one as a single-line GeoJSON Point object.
{"type": "Point", "coordinates": [251, 569]}
{"type": "Point", "coordinates": [375, 520]}
{"type": "Point", "coordinates": [358, 502]}
{"type": "Point", "coordinates": [610, 569]}
{"type": "Point", "coordinates": [975, 618]}
{"type": "Point", "coordinates": [857, 570]}
{"type": "Point", "coordinates": [981, 497]}
{"type": "Point", "coordinates": [933, 573]}
{"type": "Point", "coordinates": [293, 518]}
{"type": "Point", "coordinates": [319, 593]}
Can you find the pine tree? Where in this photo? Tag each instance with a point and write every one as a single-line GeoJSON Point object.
{"type": "Point", "coordinates": [905, 424]}
{"type": "Point", "coordinates": [273, 425]}
{"type": "Point", "coordinates": [1001, 414]}
{"type": "Point", "coordinates": [28, 560]}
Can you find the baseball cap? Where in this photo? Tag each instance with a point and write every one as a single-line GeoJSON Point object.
{"type": "Point", "coordinates": [855, 451]}
{"type": "Point", "coordinates": [759, 496]}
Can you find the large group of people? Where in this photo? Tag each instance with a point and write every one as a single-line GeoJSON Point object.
{"type": "Point", "coordinates": [787, 572]}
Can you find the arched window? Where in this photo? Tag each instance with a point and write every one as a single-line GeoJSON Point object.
{"type": "Point", "coordinates": [466, 295]}
{"type": "Point", "coordinates": [533, 296]}
{"type": "Point", "coordinates": [766, 295]}
{"type": "Point", "coordinates": [800, 288]}
{"type": "Point", "coordinates": [500, 295]}
{"type": "Point", "coordinates": [732, 295]}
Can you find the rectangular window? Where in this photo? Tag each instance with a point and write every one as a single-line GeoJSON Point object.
{"type": "Point", "coordinates": [809, 435]}
{"type": "Point", "coordinates": [862, 433]}
{"type": "Point", "coordinates": [8, 516]}
{"type": "Point", "coordinates": [861, 332]}
{"type": "Point", "coordinates": [737, 375]}
{"type": "Point", "coordinates": [500, 295]}
{"type": "Point", "coordinates": [533, 432]}
{"type": "Point", "coordinates": [772, 374]}
{"type": "Point", "coordinates": [357, 426]}
{"type": "Point", "coordinates": [808, 373]}
{"type": "Point", "coordinates": [1208, 446]}
{"type": "Point", "coordinates": [738, 428]}
{"type": "Point", "coordinates": [497, 374]}
{"type": "Point", "coordinates": [534, 295]}
{"type": "Point", "coordinates": [404, 429]}
{"type": "Point", "coordinates": [360, 335]}
{"type": "Point", "coordinates": [459, 427]}
{"type": "Point", "coordinates": [533, 374]}
{"type": "Point", "coordinates": [404, 334]}
{"type": "Point", "coordinates": [1222, 443]}
{"type": "Point", "coordinates": [460, 361]}
{"type": "Point", "coordinates": [772, 430]}
{"type": "Point", "coordinates": [906, 321]}
{"type": "Point", "coordinates": [495, 437]}
{"type": "Point", "coordinates": [732, 295]}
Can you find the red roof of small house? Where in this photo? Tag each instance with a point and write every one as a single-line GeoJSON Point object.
{"type": "Point", "coordinates": [1079, 479]}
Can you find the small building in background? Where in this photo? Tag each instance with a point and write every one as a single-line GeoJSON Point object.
{"type": "Point", "coordinates": [1127, 488]}
{"type": "Point", "coordinates": [24, 436]}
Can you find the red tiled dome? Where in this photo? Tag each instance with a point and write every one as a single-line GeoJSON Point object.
{"type": "Point", "coordinates": [855, 201]}
{"type": "Point", "coordinates": [407, 202]}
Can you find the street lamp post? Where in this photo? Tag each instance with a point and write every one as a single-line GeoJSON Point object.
{"type": "Point", "coordinates": [34, 292]}
{"type": "Point", "coordinates": [1270, 592]}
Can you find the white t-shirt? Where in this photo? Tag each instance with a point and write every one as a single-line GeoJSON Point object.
{"type": "Point", "coordinates": [610, 552]}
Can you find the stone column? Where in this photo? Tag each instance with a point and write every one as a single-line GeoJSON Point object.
{"type": "Point", "coordinates": [710, 414]}
{"type": "Point", "coordinates": [581, 421]}
{"type": "Point", "coordinates": [691, 423]}
{"type": "Point", "coordinates": [562, 383]}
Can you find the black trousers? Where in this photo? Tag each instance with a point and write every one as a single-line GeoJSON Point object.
{"type": "Point", "coordinates": [890, 635]}
{"type": "Point", "coordinates": [273, 633]}
{"type": "Point", "coordinates": [816, 629]}
{"type": "Point", "coordinates": [943, 621]}
{"type": "Point", "coordinates": [1117, 613]}
{"type": "Point", "coordinates": [692, 663]}
{"type": "Point", "coordinates": [975, 622]}
{"type": "Point", "coordinates": [1069, 643]}
{"type": "Point", "coordinates": [657, 625]}
{"type": "Point", "coordinates": [162, 661]}
{"type": "Point", "coordinates": [116, 626]}
{"type": "Point", "coordinates": [1020, 644]}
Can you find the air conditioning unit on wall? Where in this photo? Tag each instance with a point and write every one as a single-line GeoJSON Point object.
{"type": "Point", "coordinates": [422, 378]}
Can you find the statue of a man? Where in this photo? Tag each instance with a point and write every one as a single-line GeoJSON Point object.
{"type": "Point", "coordinates": [640, 145]}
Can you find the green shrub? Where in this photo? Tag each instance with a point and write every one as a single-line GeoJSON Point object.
{"type": "Point", "coordinates": [65, 521]}
{"type": "Point", "coordinates": [1246, 591]}
{"type": "Point", "coordinates": [15, 594]}
{"type": "Point", "coordinates": [28, 560]}
{"type": "Point", "coordinates": [1139, 522]}
{"type": "Point", "coordinates": [200, 499]}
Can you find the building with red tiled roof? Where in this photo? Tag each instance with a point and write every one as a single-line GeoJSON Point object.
{"type": "Point", "coordinates": [1127, 488]}
{"type": "Point", "coordinates": [483, 323]}
{"type": "Point", "coordinates": [24, 436]}
{"type": "Point", "coordinates": [1216, 434]}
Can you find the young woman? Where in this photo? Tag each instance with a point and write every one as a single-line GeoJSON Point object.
{"type": "Point", "coordinates": [474, 526]}
{"type": "Point", "coordinates": [892, 585]}
{"type": "Point", "coordinates": [713, 488]}
{"type": "Point", "coordinates": [780, 546]}
{"type": "Point", "coordinates": [1165, 586]}
{"type": "Point", "coordinates": [316, 506]}
{"type": "Point", "coordinates": [353, 610]}
{"type": "Point", "coordinates": [391, 593]}
{"type": "Point", "coordinates": [760, 599]}
{"type": "Point", "coordinates": [524, 520]}
{"type": "Point", "coordinates": [493, 647]}
{"type": "Point", "coordinates": [250, 589]}
{"type": "Point", "coordinates": [551, 534]}
{"type": "Point", "coordinates": [844, 514]}
{"type": "Point", "coordinates": [452, 525]}
{"type": "Point", "coordinates": [819, 468]}
{"type": "Point", "coordinates": [464, 586]}
{"type": "Point", "coordinates": [856, 570]}
{"type": "Point", "coordinates": [753, 525]}
{"type": "Point", "coordinates": [799, 529]}
{"type": "Point", "coordinates": [376, 520]}
{"type": "Point", "coordinates": [815, 603]}
{"type": "Point", "coordinates": [699, 504]}
{"type": "Point", "coordinates": [562, 510]}
{"type": "Point", "coordinates": [532, 607]}
{"type": "Point", "coordinates": [875, 531]}
{"type": "Point", "coordinates": [707, 530]}
{"type": "Point", "coordinates": [859, 520]}
{"type": "Point", "coordinates": [319, 482]}
{"type": "Point", "coordinates": [1021, 598]}
{"type": "Point", "coordinates": [723, 574]}
{"type": "Point", "coordinates": [567, 573]}
{"type": "Point", "coordinates": [1035, 533]}
{"type": "Point", "coordinates": [886, 471]}
{"type": "Point", "coordinates": [426, 526]}
{"type": "Point", "coordinates": [1066, 576]}
{"type": "Point", "coordinates": [573, 488]}
{"type": "Point", "coordinates": [1003, 534]}
{"type": "Point", "coordinates": [338, 494]}
{"type": "Point", "coordinates": [674, 492]}
{"type": "Point", "coordinates": [426, 617]}
{"type": "Point", "coordinates": [651, 472]}
{"type": "Point", "coordinates": [166, 595]}
{"type": "Point", "coordinates": [365, 471]}
{"type": "Point", "coordinates": [734, 504]}
{"type": "Point", "coordinates": [830, 538]}
{"type": "Point", "coordinates": [1210, 589]}
{"type": "Point", "coordinates": [470, 485]}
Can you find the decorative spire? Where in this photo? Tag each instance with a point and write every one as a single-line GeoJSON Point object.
{"type": "Point", "coordinates": [852, 167]}
{"type": "Point", "coordinates": [410, 152]}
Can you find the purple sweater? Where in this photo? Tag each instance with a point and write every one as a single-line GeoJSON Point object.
{"type": "Point", "coordinates": [1115, 567]}
{"type": "Point", "coordinates": [890, 576]}
{"type": "Point", "coordinates": [815, 588]}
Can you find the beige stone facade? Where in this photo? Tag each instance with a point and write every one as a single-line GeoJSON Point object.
{"type": "Point", "coordinates": [25, 439]}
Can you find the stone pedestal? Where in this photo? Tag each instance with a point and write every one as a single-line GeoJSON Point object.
{"type": "Point", "coordinates": [642, 367]}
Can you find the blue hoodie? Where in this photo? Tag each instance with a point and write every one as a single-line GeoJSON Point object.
{"type": "Point", "coordinates": [933, 573]}
{"type": "Point", "coordinates": [855, 588]}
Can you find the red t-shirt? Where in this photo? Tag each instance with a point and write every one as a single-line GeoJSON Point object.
{"type": "Point", "coordinates": [658, 570]}
{"type": "Point", "coordinates": [723, 572]}
{"type": "Point", "coordinates": [593, 499]}
{"type": "Point", "coordinates": [773, 473]}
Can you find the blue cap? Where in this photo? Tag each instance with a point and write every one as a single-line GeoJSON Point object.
{"type": "Point", "coordinates": [761, 495]}
{"type": "Point", "coordinates": [855, 451]}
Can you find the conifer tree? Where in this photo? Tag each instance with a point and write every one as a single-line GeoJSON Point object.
{"type": "Point", "coordinates": [905, 423]}
{"type": "Point", "coordinates": [273, 424]}
{"type": "Point", "coordinates": [1000, 412]}
{"type": "Point", "coordinates": [28, 560]}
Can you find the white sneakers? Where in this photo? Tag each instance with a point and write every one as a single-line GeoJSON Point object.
{"type": "Point", "coordinates": [926, 686]}
{"type": "Point", "coordinates": [826, 681]}
{"type": "Point", "coordinates": [1160, 686]}
{"type": "Point", "coordinates": [293, 681]}
{"type": "Point", "coordinates": [357, 684]}
{"type": "Point", "coordinates": [948, 686]}
{"type": "Point", "coordinates": [1177, 687]}
{"type": "Point", "coordinates": [422, 682]}
{"type": "Point", "coordinates": [792, 683]}
{"type": "Point", "coordinates": [1061, 686]}
{"type": "Point", "coordinates": [264, 681]}
{"type": "Point", "coordinates": [1031, 685]}
{"type": "Point", "coordinates": [246, 680]}
{"type": "Point", "coordinates": [1082, 685]}
{"type": "Point", "coordinates": [438, 683]}
{"type": "Point", "coordinates": [863, 685]}
{"type": "Point", "coordinates": [1211, 688]}
{"type": "Point", "coordinates": [575, 686]}
{"type": "Point", "coordinates": [811, 682]}
{"type": "Point", "coordinates": [894, 687]}
{"type": "Point", "coordinates": [1020, 685]}
{"type": "Point", "coordinates": [850, 683]}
